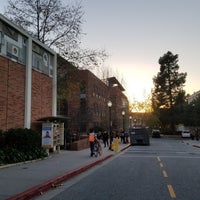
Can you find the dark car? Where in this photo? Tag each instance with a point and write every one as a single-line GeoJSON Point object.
{"type": "Point", "coordinates": [156, 133]}
{"type": "Point", "coordinates": [139, 136]}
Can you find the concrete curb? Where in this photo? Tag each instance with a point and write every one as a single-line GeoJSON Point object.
{"type": "Point", "coordinates": [39, 189]}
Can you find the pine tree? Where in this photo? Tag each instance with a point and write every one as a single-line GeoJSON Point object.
{"type": "Point", "coordinates": [168, 88]}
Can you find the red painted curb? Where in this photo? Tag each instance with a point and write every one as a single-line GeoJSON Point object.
{"type": "Point", "coordinates": [126, 147]}
{"type": "Point", "coordinates": [196, 146]}
{"type": "Point", "coordinates": [39, 189]}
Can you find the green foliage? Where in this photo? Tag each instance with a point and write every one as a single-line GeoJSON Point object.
{"type": "Point", "coordinates": [168, 96]}
{"type": "Point", "coordinates": [191, 114]}
{"type": "Point", "coordinates": [19, 145]}
{"type": "Point", "coordinates": [168, 84]}
{"type": "Point", "coordinates": [152, 121]}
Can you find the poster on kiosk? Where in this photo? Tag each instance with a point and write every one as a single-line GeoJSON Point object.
{"type": "Point", "coordinates": [52, 135]}
{"type": "Point", "coordinates": [47, 135]}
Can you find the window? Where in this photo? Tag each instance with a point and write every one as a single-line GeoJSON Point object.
{"type": "Point", "coordinates": [42, 60]}
{"type": "Point", "coordinates": [83, 87]}
{"type": "Point", "coordinates": [83, 106]}
{"type": "Point", "coordinates": [62, 107]}
{"type": "Point", "coordinates": [10, 32]}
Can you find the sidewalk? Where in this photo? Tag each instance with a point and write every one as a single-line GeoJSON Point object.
{"type": "Point", "coordinates": [24, 181]}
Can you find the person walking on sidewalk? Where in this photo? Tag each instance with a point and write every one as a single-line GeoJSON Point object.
{"type": "Point", "coordinates": [105, 138]}
{"type": "Point", "coordinates": [91, 139]}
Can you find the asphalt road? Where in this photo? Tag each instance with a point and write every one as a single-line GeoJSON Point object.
{"type": "Point", "coordinates": [167, 169]}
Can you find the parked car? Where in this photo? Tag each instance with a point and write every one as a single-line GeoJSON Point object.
{"type": "Point", "coordinates": [139, 136]}
{"type": "Point", "coordinates": [156, 133]}
{"type": "Point", "coordinates": [185, 134]}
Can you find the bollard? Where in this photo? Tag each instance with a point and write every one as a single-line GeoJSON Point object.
{"type": "Point", "coordinates": [116, 144]}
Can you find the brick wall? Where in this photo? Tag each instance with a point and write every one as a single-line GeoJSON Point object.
{"type": "Point", "coordinates": [12, 95]}
{"type": "Point", "coordinates": [16, 95]}
{"type": "Point", "coordinates": [3, 91]}
{"type": "Point", "coordinates": [80, 144]}
{"type": "Point", "coordinates": [41, 96]}
{"type": "Point", "coordinates": [96, 98]}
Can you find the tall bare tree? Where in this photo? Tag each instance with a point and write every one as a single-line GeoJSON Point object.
{"type": "Point", "coordinates": [47, 20]}
{"type": "Point", "coordinates": [56, 25]}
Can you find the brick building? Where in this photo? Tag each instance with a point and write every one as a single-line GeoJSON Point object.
{"type": "Point", "coordinates": [27, 78]}
{"type": "Point", "coordinates": [120, 105]}
{"type": "Point", "coordinates": [68, 93]}
{"type": "Point", "coordinates": [94, 95]}
{"type": "Point", "coordinates": [28, 86]}
{"type": "Point", "coordinates": [84, 97]}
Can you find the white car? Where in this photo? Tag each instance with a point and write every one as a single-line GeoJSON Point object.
{"type": "Point", "coordinates": [185, 134]}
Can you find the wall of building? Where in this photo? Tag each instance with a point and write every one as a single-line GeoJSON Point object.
{"type": "Point", "coordinates": [41, 102]}
{"type": "Point", "coordinates": [87, 103]}
{"type": "Point", "coordinates": [96, 97]}
{"type": "Point", "coordinates": [12, 94]}
{"type": "Point", "coordinates": [74, 105]}
{"type": "Point", "coordinates": [119, 103]}
{"type": "Point", "coordinates": [27, 78]}
{"type": "Point", "coordinates": [12, 98]}
{"type": "Point", "coordinates": [68, 93]}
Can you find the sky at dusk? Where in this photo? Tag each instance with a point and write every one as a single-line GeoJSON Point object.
{"type": "Point", "coordinates": [136, 33]}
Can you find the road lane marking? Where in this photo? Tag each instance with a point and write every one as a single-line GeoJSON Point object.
{"type": "Point", "coordinates": [171, 191]}
{"type": "Point", "coordinates": [164, 173]}
{"type": "Point", "coordinates": [158, 158]}
{"type": "Point", "coordinates": [163, 156]}
{"type": "Point", "coordinates": [161, 165]}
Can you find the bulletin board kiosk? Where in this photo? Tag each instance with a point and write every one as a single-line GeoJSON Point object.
{"type": "Point", "coordinates": [52, 135]}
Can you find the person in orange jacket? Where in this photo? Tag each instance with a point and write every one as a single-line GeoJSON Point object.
{"type": "Point", "coordinates": [91, 139]}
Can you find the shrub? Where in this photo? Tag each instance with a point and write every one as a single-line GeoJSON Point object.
{"type": "Point", "coordinates": [18, 145]}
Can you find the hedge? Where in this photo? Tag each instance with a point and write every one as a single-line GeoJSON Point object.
{"type": "Point", "coordinates": [19, 145]}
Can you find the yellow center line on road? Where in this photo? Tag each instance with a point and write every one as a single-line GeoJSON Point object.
{"type": "Point", "coordinates": [171, 191]}
{"type": "Point", "coordinates": [158, 158]}
{"type": "Point", "coordinates": [164, 173]}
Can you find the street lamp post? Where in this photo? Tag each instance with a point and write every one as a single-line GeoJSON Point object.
{"type": "Point", "coordinates": [130, 122]}
{"type": "Point", "coordinates": [123, 114]}
{"type": "Point", "coordinates": [110, 123]}
{"type": "Point", "coordinates": [135, 120]}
